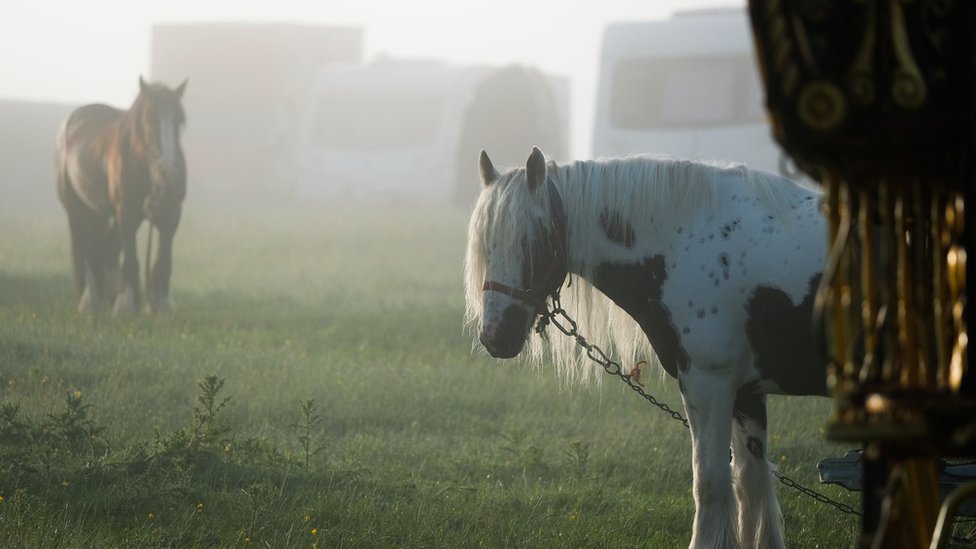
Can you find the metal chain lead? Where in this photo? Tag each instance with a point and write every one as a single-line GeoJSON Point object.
{"type": "Point", "coordinates": [596, 354]}
{"type": "Point", "coordinates": [569, 327]}
{"type": "Point", "coordinates": [843, 507]}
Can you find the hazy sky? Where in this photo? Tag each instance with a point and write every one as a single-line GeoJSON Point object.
{"type": "Point", "coordinates": [81, 51]}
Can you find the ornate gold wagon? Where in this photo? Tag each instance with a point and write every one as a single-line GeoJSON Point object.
{"type": "Point", "coordinates": [875, 100]}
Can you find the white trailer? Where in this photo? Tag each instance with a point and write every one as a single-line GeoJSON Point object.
{"type": "Point", "coordinates": [397, 130]}
{"type": "Point", "coordinates": [686, 86]}
{"type": "Point", "coordinates": [243, 101]}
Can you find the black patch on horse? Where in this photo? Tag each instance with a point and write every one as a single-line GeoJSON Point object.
{"type": "Point", "coordinates": [755, 447]}
{"type": "Point", "coordinates": [781, 337]}
{"type": "Point", "coordinates": [617, 230]}
{"type": "Point", "coordinates": [637, 289]}
{"type": "Point", "coordinates": [750, 404]}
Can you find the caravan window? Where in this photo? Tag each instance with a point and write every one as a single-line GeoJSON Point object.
{"type": "Point", "coordinates": [684, 92]}
{"type": "Point", "coordinates": [376, 120]}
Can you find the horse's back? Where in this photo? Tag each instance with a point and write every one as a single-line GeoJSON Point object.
{"type": "Point", "coordinates": [91, 120]}
{"type": "Point", "coordinates": [749, 266]}
{"type": "Point", "coordinates": [84, 143]}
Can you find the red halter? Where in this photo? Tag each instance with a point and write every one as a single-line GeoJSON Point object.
{"type": "Point", "coordinates": [552, 278]}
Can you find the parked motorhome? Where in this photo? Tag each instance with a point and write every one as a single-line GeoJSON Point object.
{"type": "Point", "coordinates": [397, 130]}
{"type": "Point", "coordinates": [243, 101]}
{"type": "Point", "coordinates": [685, 86]}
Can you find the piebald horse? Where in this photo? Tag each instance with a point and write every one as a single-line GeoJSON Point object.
{"type": "Point", "coordinates": [115, 169]}
{"type": "Point", "coordinates": [713, 269]}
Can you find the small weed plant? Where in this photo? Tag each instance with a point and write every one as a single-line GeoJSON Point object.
{"type": "Point", "coordinates": [310, 422]}
{"type": "Point", "coordinates": [67, 453]}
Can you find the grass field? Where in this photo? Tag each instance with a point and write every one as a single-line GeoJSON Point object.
{"type": "Point", "coordinates": [315, 388]}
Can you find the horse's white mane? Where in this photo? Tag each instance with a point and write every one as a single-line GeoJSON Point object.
{"type": "Point", "coordinates": [630, 188]}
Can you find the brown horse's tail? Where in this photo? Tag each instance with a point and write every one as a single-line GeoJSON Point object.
{"type": "Point", "coordinates": [69, 201]}
{"type": "Point", "coordinates": [150, 284]}
{"type": "Point", "coordinates": [60, 153]}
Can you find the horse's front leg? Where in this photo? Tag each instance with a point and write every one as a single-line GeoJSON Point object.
{"type": "Point", "coordinates": [708, 395]}
{"type": "Point", "coordinates": [157, 281]}
{"type": "Point", "coordinates": [128, 299]}
{"type": "Point", "coordinates": [760, 520]}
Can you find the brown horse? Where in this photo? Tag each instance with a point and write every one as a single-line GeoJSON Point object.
{"type": "Point", "coordinates": [115, 169]}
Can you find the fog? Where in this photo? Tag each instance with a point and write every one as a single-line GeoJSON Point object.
{"type": "Point", "coordinates": [276, 88]}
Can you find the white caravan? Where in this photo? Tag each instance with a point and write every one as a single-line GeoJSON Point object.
{"type": "Point", "coordinates": [394, 131]}
{"type": "Point", "coordinates": [686, 86]}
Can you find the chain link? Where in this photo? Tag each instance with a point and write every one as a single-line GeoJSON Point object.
{"type": "Point", "coordinates": [559, 318]}
{"type": "Point", "coordinates": [596, 354]}
{"type": "Point", "coordinates": [842, 507]}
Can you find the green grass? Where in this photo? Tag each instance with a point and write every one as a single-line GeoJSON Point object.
{"type": "Point", "coordinates": [112, 437]}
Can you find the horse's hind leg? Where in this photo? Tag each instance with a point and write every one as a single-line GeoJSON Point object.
{"type": "Point", "coordinates": [91, 252]}
{"type": "Point", "coordinates": [85, 227]}
{"type": "Point", "coordinates": [708, 394]}
{"type": "Point", "coordinates": [760, 520]}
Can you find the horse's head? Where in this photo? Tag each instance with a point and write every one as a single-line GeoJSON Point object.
{"type": "Point", "coordinates": [158, 124]}
{"type": "Point", "coordinates": [516, 253]}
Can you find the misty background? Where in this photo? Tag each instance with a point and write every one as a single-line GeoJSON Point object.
{"type": "Point", "coordinates": [277, 87]}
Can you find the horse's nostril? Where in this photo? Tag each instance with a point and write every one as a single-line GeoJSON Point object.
{"type": "Point", "coordinates": [485, 340]}
{"type": "Point", "coordinates": [505, 339]}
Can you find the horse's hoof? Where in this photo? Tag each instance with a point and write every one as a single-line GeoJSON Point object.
{"type": "Point", "coordinates": [162, 305]}
{"type": "Point", "coordinates": [125, 303]}
{"type": "Point", "coordinates": [85, 305]}
{"type": "Point", "coordinates": [89, 304]}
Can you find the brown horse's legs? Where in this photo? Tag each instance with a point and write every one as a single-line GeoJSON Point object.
{"type": "Point", "coordinates": [73, 207]}
{"type": "Point", "coordinates": [79, 259]}
{"type": "Point", "coordinates": [107, 248]}
{"type": "Point", "coordinates": [88, 279]}
{"type": "Point", "coordinates": [157, 285]}
{"type": "Point", "coordinates": [129, 297]}
{"type": "Point", "coordinates": [90, 233]}
{"type": "Point", "coordinates": [97, 244]}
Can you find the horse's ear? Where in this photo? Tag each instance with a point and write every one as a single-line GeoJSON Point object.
{"type": "Point", "coordinates": [181, 88]}
{"type": "Point", "coordinates": [535, 169]}
{"type": "Point", "coordinates": [143, 87]}
{"type": "Point", "coordinates": [487, 171]}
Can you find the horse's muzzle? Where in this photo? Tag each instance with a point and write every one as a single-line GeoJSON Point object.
{"type": "Point", "coordinates": [506, 338]}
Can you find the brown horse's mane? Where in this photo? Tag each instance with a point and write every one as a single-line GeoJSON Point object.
{"type": "Point", "coordinates": [138, 121]}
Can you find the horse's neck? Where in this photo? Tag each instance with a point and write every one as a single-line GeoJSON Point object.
{"type": "Point", "coordinates": [129, 133]}
{"type": "Point", "coordinates": [601, 234]}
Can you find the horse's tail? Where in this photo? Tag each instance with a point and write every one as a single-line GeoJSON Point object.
{"type": "Point", "coordinates": [71, 202]}
{"type": "Point", "coordinates": [60, 160]}
{"type": "Point", "coordinates": [150, 282]}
